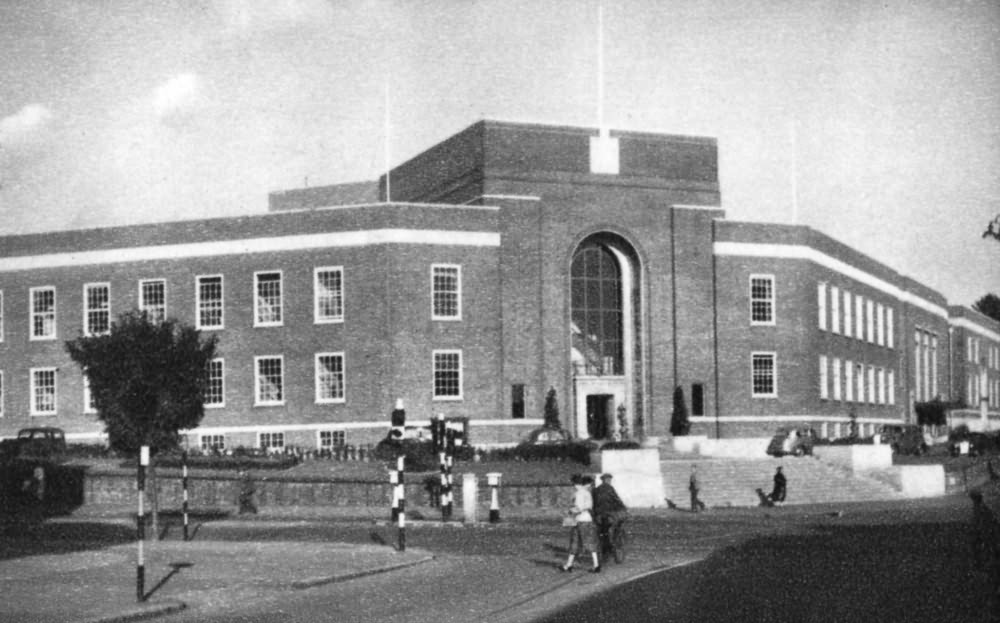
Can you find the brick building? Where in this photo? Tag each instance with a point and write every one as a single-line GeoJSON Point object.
{"type": "Point", "coordinates": [510, 259]}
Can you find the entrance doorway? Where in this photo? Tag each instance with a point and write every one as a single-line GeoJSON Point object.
{"type": "Point", "coordinates": [599, 410]}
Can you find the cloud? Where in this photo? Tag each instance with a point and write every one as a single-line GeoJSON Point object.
{"type": "Point", "coordinates": [24, 126]}
{"type": "Point", "coordinates": [245, 17]}
{"type": "Point", "coordinates": [179, 96]}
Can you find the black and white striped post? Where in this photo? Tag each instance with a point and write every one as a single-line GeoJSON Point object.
{"type": "Point", "coordinates": [493, 479]}
{"type": "Point", "coordinates": [394, 483]}
{"type": "Point", "coordinates": [448, 502]}
{"type": "Point", "coordinates": [140, 569]}
{"type": "Point", "coordinates": [402, 501]}
{"type": "Point", "coordinates": [184, 487]}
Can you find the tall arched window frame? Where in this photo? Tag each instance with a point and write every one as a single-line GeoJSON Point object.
{"type": "Point", "coordinates": [596, 284]}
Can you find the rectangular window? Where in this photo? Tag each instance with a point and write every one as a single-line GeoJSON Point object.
{"type": "Point", "coordinates": [763, 376]}
{"type": "Point", "coordinates": [329, 377]}
{"type": "Point", "coordinates": [859, 317]}
{"type": "Point", "coordinates": [328, 294]}
{"type": "Point", "coordinates": [269, 380]}
{"type": "Point", "coordinates": [917, 372]}
{"type": "Point", "coordinates": [697, 399]}
{"type": "Point", "coordinates": [891, 382]}
{"type": "Point", "coordinates": [880, 379]}
{"type": "Point", "coordinates": [871, 384]}
{"type": "Point", "coordinates": [870, 320]}
{"type": "Point", "coordinates": [43, 313]}
{"type": "Point", "coordinates": [849, 380]}
{"type": "Point", "coordinates": [848, 325]}
{"type": "Point", "coordinates": [330, 439]}
{"type": "Point", "coordinates": [517, 401]}
{"type": "Point", "coordinates": [835, 309]}
{"type": "Point", "coordinates": [272, 441]}
{"type": "Point", "coordinates": [96, 308]}
{"type": "Point", "coordinates": [934, 367]}
{"type": "Point", "coordinates": [89, 406]}
{"type": "Point", "coordinates": [267, 299]}
{"type": "Point", "coordinates": [153, 299]}
{"type": "Point", "coordinates": [210, 302]}
{"type": "Point", "coordinates": [889, 339]}
{"type": "Point", "coordinates": [968, 350]}
{"type": "Point", "coordinates": [43, 391]}
{"type": "Point", "coordinates": [880, 324]}
{"type": "Point", "coordinates": [837, 382]}
{"type": "Point", "coordinates": [446, 285]}
{"type": "Point", "coordinates": [213, 443]}
{"type": "Point", "coordinates": [447, 375]}
{"type": "Point", "coordinates": [821, 305]}
{"type": "Point", "coordinates": [860, 374]}
{"type": "Point", "coordinates": [824, 389]}
{"type": "Point", "coordinates": [215, 388]}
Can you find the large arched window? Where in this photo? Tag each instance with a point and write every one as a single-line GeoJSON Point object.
{"type": "Point", "coordinates": [596, 286]}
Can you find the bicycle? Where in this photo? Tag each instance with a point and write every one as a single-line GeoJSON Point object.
{"type": "Point", "coordinates": [613, 538]}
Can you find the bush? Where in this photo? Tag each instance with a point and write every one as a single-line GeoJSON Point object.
{"type": "Point", "coordinates": [88, 451]}
{"type": "Point", "coordinates": [420, 455]}
{"type": "Point", "coordinates": [621, 445]}
{"type": "Point", "coordinates": [577, 451]}
{"type": "Point", "coordinates": [241, 459]}
{"type": "Point", "coordinates": [845, 441]}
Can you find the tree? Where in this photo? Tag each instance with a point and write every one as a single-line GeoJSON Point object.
{"type": "Point", "coordinates": [988, 305]}
{"type": "Point", "coordinates": [551, 410]}
{"type": "Point", "coordinates": [146, 379]}
{"type": "Point", "coordinates": [680, 425]}
{"type": "Point", "coordinates": [993, 229]}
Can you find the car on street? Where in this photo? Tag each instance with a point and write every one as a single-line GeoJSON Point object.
{"type": "Point", "coordinates": [39, 442]}
{"type": "Point", "coordinates": [794, 441]}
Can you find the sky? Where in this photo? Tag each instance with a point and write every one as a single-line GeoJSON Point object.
{"type": "Point", "coordinates": [876, 123]}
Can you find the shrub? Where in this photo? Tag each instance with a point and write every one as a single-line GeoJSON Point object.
{"type": "Point", "coordinates": [621, 445]}
{"type": "Point", "coordinates": [420, 455]}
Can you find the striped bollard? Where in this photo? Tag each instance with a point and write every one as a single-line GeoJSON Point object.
{"type": "Point", "coordinates": [184, 486]}
{"type": "Point", "coordinates": [493, 479]}
{"type": "Point", "coordinates": [402, 503]}
{"type": "Point", "coordinates": [140, 568]}
{"type": "Point", "coordinates": [394, 482]}
{"type": "Point", "coordinates": [443, 495]}
{"type": "Point", "coordinates": [449, 487]}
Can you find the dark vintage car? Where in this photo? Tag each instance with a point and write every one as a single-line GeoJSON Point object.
{"type": "Point", "coordinates": [977, 443]}
{"type": "Point", "coordinates": [41, 442]}
{"type": "Point", "coordinates": [904, 438]}
{"type": "Point", "coordinates": [794, 441]}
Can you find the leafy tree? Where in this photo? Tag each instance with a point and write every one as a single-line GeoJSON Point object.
{"type": "Point", "coordinates": [988, 305]}
{"type": "Point", "coordinates": [146, 379]}
{"type": "Point", "coordinates": [551, 410]}
{"type": "Point", "coordinates": [993, 229]}
{"type": "Point", "coordinates": [680, 425]}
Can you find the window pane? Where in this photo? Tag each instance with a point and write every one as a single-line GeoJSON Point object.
{"type": "Point", "coordinates": [209, 302]}
{"type": "Point", "coordinates": [329, 295]}
{"type": "Point", "coordinates": [268, 298]}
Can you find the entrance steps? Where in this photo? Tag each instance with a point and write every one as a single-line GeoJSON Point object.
{"type": "Point", "coordinates": [733, 482]}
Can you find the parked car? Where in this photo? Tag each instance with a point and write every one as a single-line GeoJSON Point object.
{"type": "Point", "coordinates": [904, 438]}
{"type": "Point", "coordinates": [44, 442]}
{"type": "Point", "coordinates": [545, 436]}
{"type": "Point", "coordinates": [794, 441]}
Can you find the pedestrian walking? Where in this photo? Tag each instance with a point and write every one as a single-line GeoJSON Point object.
{"type": "Point", "coordinates": [694, 487]}
{"type": "Point", "coordinates": [582, 536]}
{"type": "Point", "coordinates": [609, 512]}
{"type": "Point", "coordinates": [780, 487]}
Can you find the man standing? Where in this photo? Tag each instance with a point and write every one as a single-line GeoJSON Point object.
{"type": "Point", "coordinates": [780, 487]}
{"type": "Point", "coordinates": [694, 487]}
{"type": "Point", "coordinates": [609, 510]}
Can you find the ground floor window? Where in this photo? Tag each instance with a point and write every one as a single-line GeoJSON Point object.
{"type": "Point", "coordinates": [43, 391]}
{"type": "Point", "coordinates": [269, 380]}
{"type": "Point", "coordinates": [213, 443]}
{"type": "Point", "coordinates": [272, 441]}
{"type": "Point", "coordinates": [329, 439]}
{"type": "Point", "coordinates": [215, 394]}
{"type": "Point", "coordinates": [763, 380]}
{"type": "Point", "coordinates": [447, 374]}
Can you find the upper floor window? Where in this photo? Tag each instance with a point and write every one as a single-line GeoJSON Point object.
{"type": "Point", "coordinates": [880, 324]}
{"type": "Point", "coordinates": [859, 317]}
{"type": "Point", "coordinates": [821, 305]}
{"type": "Point", "coordinates": [96, 308]}
{"type": "Point", "coordinates": [763, 376]}
{"type": "Point", "coordinates": [889, 340]}
{"type": "Point", "coordinates": [597, 318]}
{"type": "Point", "coordinates": [210, 302]}
{"type": "Point", "coordinates": [43, 391]}
{"type": "Point", "coordinates": [269, 380]}
{"type": "Point", "coordinates": [215, 387]}
{"type": "Point", "coordinates": [824, 391]}
{"type": "Point", "coordinates": [849, 380]}
{"type": "Point", "coordinates": [848, 316]}
{"type": "Point", "coordinates": [153, 299]}
{"type": "Point", "coordinates": [446, 284]}
{"type": "Point", "coordinates": [837, 383]}
{"type": "Point", "coordinates": [43, 313]}
{"type": "Point", "coordinates": [267, 299]}
{"type": "Point", "coordinates": [328, 288]}
{"type": "Point", "coordinates": [761, 299]}
{"type": "Point", "coordinates": [835, 309]}
{"type": "Point", "coordinates": [870, 318]}
{"type": "Point", "coordinates": [329, 377]}
{"type": "Point", "coordinates": [447, 375]}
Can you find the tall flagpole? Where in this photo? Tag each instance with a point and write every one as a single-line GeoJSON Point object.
{"type": "Point", "coordinates": [794, 172]}
{"type": "Point", "coordinates": [600, 71]}
{"type": "Point", "coordinates": [388, 185]}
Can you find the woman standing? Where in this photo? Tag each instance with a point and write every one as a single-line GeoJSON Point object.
{"type": "Point", "coordinates": [582, 537]}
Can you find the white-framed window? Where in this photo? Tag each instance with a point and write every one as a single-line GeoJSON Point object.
{"type": "Point", "coordinates": [933, 366]}
{"type": "Point", "coordinates": [215, 387]}
{"type": "Point", "coordinates": [269, 380]}
{"type": "Point", "coordinates": [880, 324]}
{"type": "Point", "coordinates": [763, 375]}
{"type": "Point", "coordinates": [329, 377]}
{"type": "Point", "coordinates": [889, 330]}
{"type": "Point", "coordinates": [96, 308]}
{"type": "Point", "coordinates": [837, 382]}
{"type": "Point", "coordinates": [849, 380]}
{"type": "Point", "coordinates": [329, 439]}
{"type": "Point", "coordinates": [89, 406]}
{"type": "Point", "coordinates": [870, 320]}
{"type": "Point", "coordinates": [871, 385]}
{"type": "Point", "coordinates": [271, 441]}
{"type": "Point", "coordinates": [267, 299]}
{"type": "Point", "coordinates": [821, 305]}
{"type": "Point", "coordinates": [210, 302]}
{"type": "Point", "coordinates": [848, 315]}
{"type": "Point", "coordinates": [859, 317]}
{"type": "Point", "coordinates": [212, 443]}
{"type": "Point", "coordinates": [446, 286]}
{"type": "Point", "coordinates": [880, 379]}
{"type": "Point", "coordinates": [969, 355]}
{"type": "Point", "coordinates": [153, 299]}
{"type": "Point", "coordinates": [447, 375]}
{"type": "Point", "coordinates": [328, 294]}
{"type": "Point", "coordinates": [43, 391]}
{"type": "Point", "coordinates": [891, 382]}
{"type": "Point", "coordinates": [859, 370]}
{"type": "Point", "coordinates": [824, 389]}
{"type": "Point", "coordinates": [43, 313]}
{"type": "Point", "coordinates": [834, 309]}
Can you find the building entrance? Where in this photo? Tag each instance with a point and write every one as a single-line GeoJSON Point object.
{"type": "Point", "coordinates": [600, 407]}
